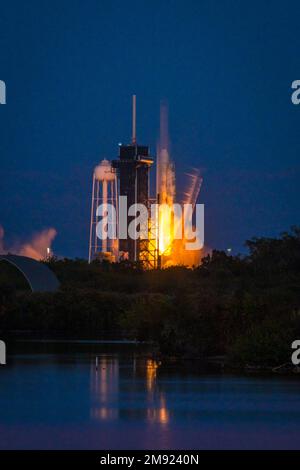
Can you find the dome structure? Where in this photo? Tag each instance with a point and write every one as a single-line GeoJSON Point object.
{"type": "Point", "coordinates": [39, 277]}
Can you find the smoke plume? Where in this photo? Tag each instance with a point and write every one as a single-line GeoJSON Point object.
{"type": "Point", "coordinates": [35, 248]}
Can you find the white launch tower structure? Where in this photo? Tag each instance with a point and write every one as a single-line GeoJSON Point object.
{"type": "Point", "coordinates": [104, 191]}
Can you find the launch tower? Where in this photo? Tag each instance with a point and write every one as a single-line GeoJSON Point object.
{"type": "Point", "coordinates": [133, 166]}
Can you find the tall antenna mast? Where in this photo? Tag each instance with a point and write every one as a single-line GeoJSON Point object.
{"type": "Point", "coordinates": [134, 119]}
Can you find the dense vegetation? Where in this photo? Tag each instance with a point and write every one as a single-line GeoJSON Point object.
{"type": "Point", "coordinates": [247, 308]}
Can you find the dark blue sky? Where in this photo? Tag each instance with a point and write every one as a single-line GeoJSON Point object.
{"type": "Point", "coordinates": [225, 68]}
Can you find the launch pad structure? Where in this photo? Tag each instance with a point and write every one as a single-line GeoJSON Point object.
{"type": "Point", "coordinates": [128, 175]}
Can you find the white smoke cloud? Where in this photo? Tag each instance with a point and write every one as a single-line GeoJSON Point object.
{"type": "Point", "coordinates": [35, 248]}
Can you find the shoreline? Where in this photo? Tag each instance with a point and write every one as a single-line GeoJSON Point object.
{"type": "Point", "coordinates": [211, 364]}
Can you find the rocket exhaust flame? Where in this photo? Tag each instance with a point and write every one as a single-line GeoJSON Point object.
{"type": "Point", "coordinates": [172, 250]}
{"type": "Point", "coordinates": [165, 187]}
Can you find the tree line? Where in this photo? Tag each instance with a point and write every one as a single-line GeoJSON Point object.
{"type": "Point", "coordinates": [244, 307]}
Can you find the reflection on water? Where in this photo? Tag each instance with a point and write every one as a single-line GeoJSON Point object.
{"type": "Point", "coordinates": [52, 396]}
{"type": "Point", "coordinates": [105, 390]}
{"type": "Point", "coordinates": [158, 414]}
{"type": "Point", "coordinates": [155, 414]}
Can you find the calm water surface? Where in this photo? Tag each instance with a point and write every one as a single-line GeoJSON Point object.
{"type": "Point", "coordinates": [52, 397]}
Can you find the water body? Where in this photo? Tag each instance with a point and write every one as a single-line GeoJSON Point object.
{"type": "Point", "coordinates": [52, 397]}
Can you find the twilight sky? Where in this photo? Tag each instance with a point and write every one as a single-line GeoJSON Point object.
{"type": "Point", "coordinates": [225, 68]}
